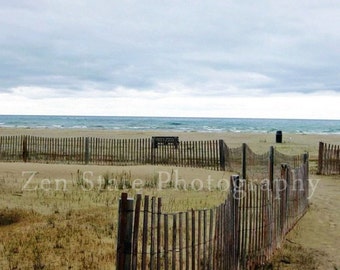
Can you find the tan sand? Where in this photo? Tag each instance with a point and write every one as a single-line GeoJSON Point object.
{"type": "Point", "coordinates": [318, 232]}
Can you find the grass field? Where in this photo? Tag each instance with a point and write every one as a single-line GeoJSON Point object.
{"type": "Point", "coordinates": [49, 223]}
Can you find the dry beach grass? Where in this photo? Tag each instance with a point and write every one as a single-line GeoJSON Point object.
{"type": "Point", "coordinates": [54, 227]}
{"type": "Point", "coordinates": [54, 224]}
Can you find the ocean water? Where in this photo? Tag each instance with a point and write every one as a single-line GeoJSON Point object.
{"type": "Point", "coordinates": [179, 124]}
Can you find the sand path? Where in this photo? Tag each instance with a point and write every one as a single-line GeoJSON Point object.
{"type": "Point", "coordinates": [316, 237]}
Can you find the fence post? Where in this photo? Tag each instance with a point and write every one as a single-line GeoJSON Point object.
{"type": "Point", "coordinates": [338, 159]}
{"type": "Point", "coordinates": [271, 167]}
{"type": "Point", "coordinates": [306, 163]}
{"type": "Point", "coordinates": [124, 237]}
{"type": "Point", "coordinates": [152, 146]}
{"type": "Point", "coordinates": [320, 159]}
{"type": "Point", "coordinates": [87, 150]}
{"type": "Point", "coordinates": [222, 155]}
{"type": "Point", "coordinates": [24, 149]}
{"type": "Point", "coordinates": [244, 161]}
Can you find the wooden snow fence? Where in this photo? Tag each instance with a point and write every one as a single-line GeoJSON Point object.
{"type": "Point", "coordinates": [329, 159]}
{"type": "Point", "coordinates": [241, 233]}
{"type": "Point", "coordinates": [108, 151]}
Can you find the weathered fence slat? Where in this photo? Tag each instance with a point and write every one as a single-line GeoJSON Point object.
{"type": "Point", "coordinates": [174, 240]}
{"type": "Point", "coordinates": [159, 216]}
{"type": "Point", "coordinates": [135, 233]}
{"type": "Point", "coordinates": [180, 240]}
{"type": "Point", "coordinates": [205, 247]}
{"type": "Point", "coordinates": [166, 241]}
{"type": "Point", "coordinates": [145, 231]}
{"type": "Point", "coordinates": [193, 240]}
{"type": "Point", "coordinates": [152, 232]}
{"type": "Point", "coordinates": [187, 239]}
{"type": "Point", "coordinates": [199, 238]}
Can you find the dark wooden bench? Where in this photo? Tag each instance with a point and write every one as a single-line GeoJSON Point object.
{"type": "Point", "coordinates": [165, 140]}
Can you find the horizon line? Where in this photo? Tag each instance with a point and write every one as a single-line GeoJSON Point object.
{"type": "Point", "coordinates": [183, 117]}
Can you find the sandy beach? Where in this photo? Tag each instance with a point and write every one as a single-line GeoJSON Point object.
{"type": "Point", "coordinates": [317, 233]}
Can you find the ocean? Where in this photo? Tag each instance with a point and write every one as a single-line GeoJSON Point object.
{"type": "Point", "coordinates": [178, 124]}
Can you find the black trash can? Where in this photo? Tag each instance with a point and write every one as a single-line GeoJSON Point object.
{"type": "Point", "coordinates": [279, 136]}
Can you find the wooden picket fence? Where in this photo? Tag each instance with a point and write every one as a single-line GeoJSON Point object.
{"type": "Point", "coordinates": [241, 233]}
{"type": "Point", "coordinates": [211, 154]}
{"type": "Point", "coordinates": [105, 151]}
{"type": "Point", "coordinates": [329, 159]}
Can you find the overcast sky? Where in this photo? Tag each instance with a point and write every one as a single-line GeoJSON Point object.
{"type": "Point", "coordinates": [237, 58]}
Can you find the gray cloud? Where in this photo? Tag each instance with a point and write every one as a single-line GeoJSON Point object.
{"type": "Point", "coordinates": [220, 46]}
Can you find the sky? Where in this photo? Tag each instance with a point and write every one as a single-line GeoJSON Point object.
{"type": "Point", "coordinates": [218, 58]}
